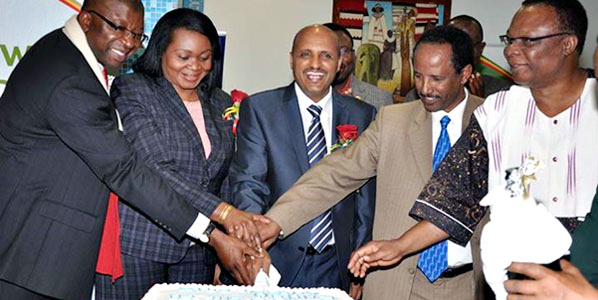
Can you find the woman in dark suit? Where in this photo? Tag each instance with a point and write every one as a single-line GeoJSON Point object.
{"type": "Point", "coordinates": [171, 109]}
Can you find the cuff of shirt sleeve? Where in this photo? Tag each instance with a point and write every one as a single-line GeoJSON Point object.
{"type": "Point", "coordinates": [458, 232]}
{"type": "Point", "coordinates": [198, 228]}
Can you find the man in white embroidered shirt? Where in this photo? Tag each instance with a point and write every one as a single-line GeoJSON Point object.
{"type": "Point", "coordinates": [551, 116]}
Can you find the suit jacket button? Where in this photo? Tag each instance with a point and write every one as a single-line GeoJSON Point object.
{"type": "Point", "coordinates": [411, 271]}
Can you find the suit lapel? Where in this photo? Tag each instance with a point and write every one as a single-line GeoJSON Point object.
{"type": "Point", "coordinates": [176, 107]}
{"type": "Point", "coordinates": [472, 103]}
{"type": "Point", "coordinates": [420, 138]}
{"type": "Point", "coordinates": [340, 115]}
{"type": "Point", "coordinates": [214, 128]}
{"type": "Point", "coordinates": [420, 135]}
{"type": "Point", "coordinates": [294, 130]}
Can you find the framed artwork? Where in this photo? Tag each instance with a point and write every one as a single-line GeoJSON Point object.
{"type": "Point", "coordinates": [384, 34]}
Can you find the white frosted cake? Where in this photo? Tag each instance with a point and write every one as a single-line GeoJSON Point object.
{"type": "Point", "coordinates": [227, 292]}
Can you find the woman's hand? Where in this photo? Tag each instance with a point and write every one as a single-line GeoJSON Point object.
{"type": "Point", "coordinates": [238, 223]}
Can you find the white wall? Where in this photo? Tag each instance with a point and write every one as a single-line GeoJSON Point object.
{"type": "Point", "coordinates": [495, 17]}
{"type": "Point", "coordinates": [24, 23]}
{"type": "Point", "coordinates": [259, 38]}
{"type": "Point", "coordinates": [260, 32]}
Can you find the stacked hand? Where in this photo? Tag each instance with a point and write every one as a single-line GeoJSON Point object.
{"type": "Point", "coordinates": [254, 264]}
{"type": "Point", "coordinates": [266, 230]}
{"type": "Point", "coordinates": [241, 251]}
{"type": "Point", "coordinates": [241, 225]}
{"type": "Point", "coordinates": [233, 254]}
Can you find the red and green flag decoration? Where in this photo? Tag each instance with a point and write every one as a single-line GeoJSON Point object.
{"type": "Point", "coordinates": [490, 68]}
{"type": "Point", "coordinates": [72, 4]}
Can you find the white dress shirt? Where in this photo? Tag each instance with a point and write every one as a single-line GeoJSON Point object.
{"type": "Point", "coordinates": [456, 254]}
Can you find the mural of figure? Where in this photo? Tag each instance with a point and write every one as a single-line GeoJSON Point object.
{"type": "Point", "coordinates": [367, 63]}
{"type": "Point", "coordinates": [386, 58]}
{"type": "Point", "coordinates": [377, 28]}
{"type": "Point", "coordinates": [405, 42]}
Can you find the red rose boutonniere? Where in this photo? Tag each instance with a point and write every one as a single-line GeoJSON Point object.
{"type": "Point", "coordinates": [347, 133]}
{"type": "Point", "coordinates": [233, 111]}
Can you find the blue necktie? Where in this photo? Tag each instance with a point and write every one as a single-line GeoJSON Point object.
{"type": "Point", "coordinates": [321, 231]}
{"type": "Point", "coordinates": [433, 261]}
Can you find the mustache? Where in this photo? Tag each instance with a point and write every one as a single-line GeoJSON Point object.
{"type": "Point", "coordinates": [314, 70]}
{"type": "Point", "coordinates": [428, 96]}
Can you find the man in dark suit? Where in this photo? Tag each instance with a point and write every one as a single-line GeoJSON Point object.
{"type": "Point", "coordinates": [401, 147]}
{"type": "Point", "coordinates": [61, 154]}
{"type": "Point", "coordinates": [277, 129]}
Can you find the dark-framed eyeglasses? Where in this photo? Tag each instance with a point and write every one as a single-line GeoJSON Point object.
{"type": "Point", "coordinates": [141, 37]}
{"type": "Point", "coordinates": [528, 41]}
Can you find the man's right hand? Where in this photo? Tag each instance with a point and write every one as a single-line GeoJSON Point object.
{"type": "Point", "coordinates": [268, 229]}
{"type": "Point", "coordinates": [374, 254]}
{"type": "Point", "coordinates": [233, 253]}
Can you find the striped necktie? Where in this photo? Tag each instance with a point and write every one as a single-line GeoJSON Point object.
{"type": "Point", "coordinates": [433, 261]}
{"type": "Point", "coordinates": [321, 231]}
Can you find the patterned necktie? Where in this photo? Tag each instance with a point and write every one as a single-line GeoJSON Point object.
{"type": "Point", "coordinates": [433, 261]}
{"type": "Point", "coordinates": [321, 231]}
{"type": "Point", "coordinates": [109, 258]}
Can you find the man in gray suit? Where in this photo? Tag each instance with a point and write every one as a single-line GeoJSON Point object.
{"type": "Point", "coordinates": [398, 148]}
{"type": "Point", "coordinates": [347, 84]}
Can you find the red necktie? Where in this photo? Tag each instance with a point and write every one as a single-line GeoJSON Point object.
{"type": "Point", "coordinates": [109, 259]}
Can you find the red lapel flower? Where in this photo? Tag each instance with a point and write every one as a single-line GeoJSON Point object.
{"type": "Point", "coordinates": [232, 112]}
{"type": "Point", "coordinates": [347, 133]}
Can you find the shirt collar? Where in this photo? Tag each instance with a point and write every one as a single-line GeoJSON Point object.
{"type": "Point", "coordinates": [75, 34]}
{"type": "Point", "coordinates": [455, 114]}
{"type": "Point", "coordinates": [305, 101]}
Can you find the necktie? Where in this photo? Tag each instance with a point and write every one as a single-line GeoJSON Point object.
{"type": "Point", "coordinates": [321, 231]}
{"type": "Point", "coordinates": [105, 73]}
{"type": "Point", "coordinates": [109, 258]}
{"type": "Point", "coordinates": [433, 261]}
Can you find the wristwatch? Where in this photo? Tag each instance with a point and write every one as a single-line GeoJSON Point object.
{"type": "Point", "coordinates": [205, 237]}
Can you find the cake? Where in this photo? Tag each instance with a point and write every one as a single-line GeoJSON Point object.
{"type": "Point", "coordinates": [179, 291]}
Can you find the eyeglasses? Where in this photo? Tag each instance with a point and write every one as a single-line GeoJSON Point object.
{"type": "Point", "coordinates": [141, 37]}
{"type": "Point", "coordinates": [528, 41]}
